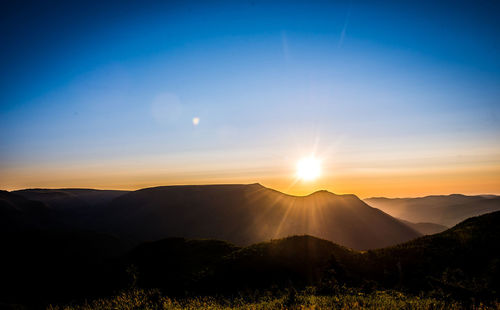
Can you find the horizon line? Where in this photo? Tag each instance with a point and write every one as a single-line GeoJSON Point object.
{"type": "Point", "coordinates": [244, 184]}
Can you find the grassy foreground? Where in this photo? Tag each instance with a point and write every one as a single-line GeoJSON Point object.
{"type": "Point", "coordinates": [153, 300]}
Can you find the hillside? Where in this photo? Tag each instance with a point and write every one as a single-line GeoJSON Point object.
{"type": "Point", "coordinates": [462, 262]}
{"type": "Point", "coordinates": [444, 210]}
{"type": "Point", "coordinates": [241, 214]}
{"type": "Point", "coordinates": [245, 214]}
{"type": "Point", "coordinates": [426, 228]}
{"type": "Point", "coordinates": [56, 208]}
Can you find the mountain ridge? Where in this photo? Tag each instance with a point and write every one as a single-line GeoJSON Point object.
{"type": "Point", "coordinates": [447, 210]}
{"type": "Point", "coordinates": [261, 214]}
{"type": "Point", "coordinates": [239, 213]}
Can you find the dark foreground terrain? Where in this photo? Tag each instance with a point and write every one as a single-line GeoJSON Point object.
{"type": "Point", "coordinates": [308, 299]}
{"type": "Point", "coordinates": [457, 268]}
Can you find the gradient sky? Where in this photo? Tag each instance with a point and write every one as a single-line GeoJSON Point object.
{"type": "Point", "coordinates": [395, 98]}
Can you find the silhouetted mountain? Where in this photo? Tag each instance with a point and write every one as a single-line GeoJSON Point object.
{"type": "Point", "coordinates": [39, 267]}
{"type": "Point", "coordinates": [297, 261]}
{"type": "Point", "coordinates": [445, 210]}
{"type": "Point", "coordinates": [245, 214]}
{"type": "Point", "coordinates": [462, 262]}
{"type": "Point", "coordinates": [426, 228]}
{"type": "Point", "coordinates": [210, 266]}
{"type": "Point", "coordinates": [70, 197]}
{"type": "Point", "coordinates": [242, 214]}
{"type": "Point", "coordinates": [73, 208]}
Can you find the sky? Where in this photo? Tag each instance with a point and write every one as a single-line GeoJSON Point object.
{"type": "Point", "coordinates": [396, 99]}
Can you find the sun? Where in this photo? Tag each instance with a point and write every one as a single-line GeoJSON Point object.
{"type": "Point", "coordinates": [308, 169]}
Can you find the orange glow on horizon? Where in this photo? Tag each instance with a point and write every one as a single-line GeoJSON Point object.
{"type": "Point", "coordinates": [366, 174]}
{"type": "Point", "coordinates": [363, 185]}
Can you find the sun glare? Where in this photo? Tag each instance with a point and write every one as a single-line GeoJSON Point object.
{"type": "Point", "coordinates": [308, 169]}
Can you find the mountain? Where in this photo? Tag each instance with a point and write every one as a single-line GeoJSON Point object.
{"type": "Point", "coordinates": [211, 266]}
{"type": "Point", "coordinates": [72, 208]}
{"type": "Point", "coordinates": [462, 262]}
{"type": "Point", "coordinates": [41, 267]}
{"type": "Point", "coordinates": [444, 210]}
{"type": "Point", "coordinates": [245, 214]}
{"type": "Point", "coordinates": [426, 228]}
{"type": "Point", "coordinates": [297, 261]}
{"type": "Point", "coordinates": [72, 198]}
{"type": "Point", "coordinates": [241, 214]}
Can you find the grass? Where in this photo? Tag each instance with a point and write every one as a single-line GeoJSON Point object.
{"type": "Point", "coordinates": [153, 300]}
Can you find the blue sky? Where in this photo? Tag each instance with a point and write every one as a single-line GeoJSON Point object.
{"type": "Point", "coordinates": [87, 84]}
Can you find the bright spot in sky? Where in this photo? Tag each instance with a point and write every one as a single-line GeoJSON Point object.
{"type": "Point", "coordinates": [308, 169]}
{"type": "Point", "coordinates": [196, 121]}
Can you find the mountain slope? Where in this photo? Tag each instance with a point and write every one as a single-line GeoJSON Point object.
{"type": "Point", "coordinates": [41, 267]}
{"type": "Point", "coordinates": [245, 214]}
{"type": "Point", "coordinates": [72, 208]}
{"type": "Point", "coordinates": [462, 262]}
{"type": "Point", "coordinates": [426, 228]}
{"type": "Point", "coordinates": [444, 210]}
{"type": "Point", "coordinates": [298, 260]}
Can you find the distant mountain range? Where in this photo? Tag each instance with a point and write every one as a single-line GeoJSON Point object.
{"type": "Point", "coordinates": [444, 210]}
{"type": "Point", "coordinates": [241, 214]}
